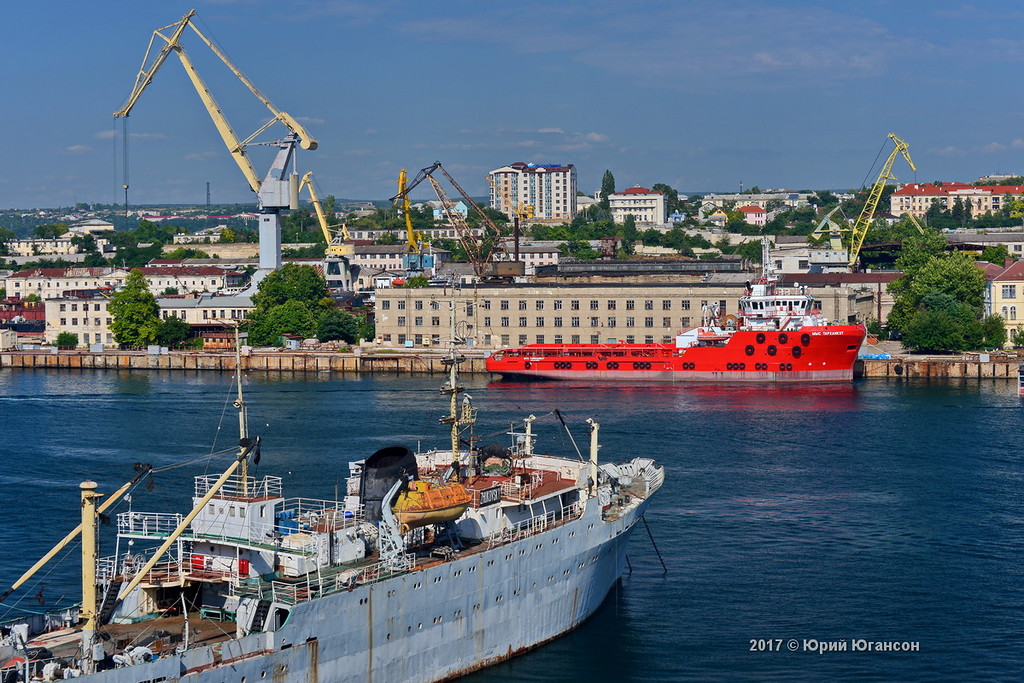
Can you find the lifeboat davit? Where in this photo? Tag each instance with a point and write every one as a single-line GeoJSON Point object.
{"type": "Point", "coordinates": [424, 503]}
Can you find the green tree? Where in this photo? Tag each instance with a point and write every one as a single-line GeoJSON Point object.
{"type": "Point", "coordinates": [266, 326]}
{"type": "Point", "coordinates": [672, 203]}
{"type": "Point", "coordinates": [607, 188]}
{"type": "Point", "coordinates": [416, 282]}
{"type": "Point", "coordinates": [136, 315]}
{"type": "Point", "coordinates": [338, 325]}
{"type": "Point", "coordinates": [173, 331]}
{"type": "Point", "coordinates": [67, 339]}
{"type": "Point", "coordinates": [49, 231]}
{"type": "Point", "coordinates": [993, 331]}
{"type": "Point", "coordinates": [997, 254]}
{"type": "Point", "coordinates": [291, 282]}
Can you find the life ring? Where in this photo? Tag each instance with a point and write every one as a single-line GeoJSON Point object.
{"type": "Point", "coordinates": [730, 366]}
{"type": "Point", "coordinates": [797, 351]}
{"type": "Point", "coordinates": [772, 350]}
{"type": "Point", "coordinates": [760, 337]}
{"type": "Point", "coordinates": [789, 366]}
{"type": "Point", "coordinates": [742, 366]}
{"type": "Point", "coordinates": [783, 338]}
{"type": "Point", "coordinates": [749, 350]}
{"type": "Point", "coordinates": [805, 339]}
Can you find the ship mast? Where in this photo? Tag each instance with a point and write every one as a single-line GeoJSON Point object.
{"type": "Point", "coordinates": [243, 416]}
{"type": "Point", "coordinates": [456, 418]}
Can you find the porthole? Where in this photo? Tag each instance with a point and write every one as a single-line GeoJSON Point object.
{"type": "Point", "coordinates": [760, 337]}
{"type": "Point", "coordinates": [797, 351]}
{"type": "Point", "coordinates": [772, 350]}
{"type": "Point", "coordinates": [783, 338]}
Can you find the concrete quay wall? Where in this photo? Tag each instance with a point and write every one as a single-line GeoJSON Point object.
{"type": "Point", "coordinates": [345, 363]}
{"type": "Point", "coordinates": [431, 363]}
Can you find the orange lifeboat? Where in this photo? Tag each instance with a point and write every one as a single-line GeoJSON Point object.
{"type": "Point", "coordinates": [425, 503]}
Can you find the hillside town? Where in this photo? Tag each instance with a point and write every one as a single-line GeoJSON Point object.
{"type": "Point", "coordinates": [638, 264]}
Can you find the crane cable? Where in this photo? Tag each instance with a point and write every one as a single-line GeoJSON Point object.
{"type": "Point", "coordinates": [124, 161]}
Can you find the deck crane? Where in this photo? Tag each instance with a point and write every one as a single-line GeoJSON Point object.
{"type": "Point", "coordinates": [482, 254]}
{"type": "Point", "coordinates": [278, 189]}
{"type": "Point", "coordinates": [867, 214]}
{"type": "Point", "coordinates": [415, 261]}
{"type": "Point", "coordinates": [337, 268]}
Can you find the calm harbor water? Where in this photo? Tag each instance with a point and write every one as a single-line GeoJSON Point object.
{"type": "Point", "coordinates": [877, 511]}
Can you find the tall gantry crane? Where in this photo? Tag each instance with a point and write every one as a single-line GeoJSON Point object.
{"type": "Point", "coordinates": [278, 189]}
{"type": "Point", "coordinates": [337, 267]}
{"type": "Point", "coordinates": [482, 253]}
{"type": "Point", "coordinates": [867, 214]}
{"type": "Point", "coordinates": [415, 261]}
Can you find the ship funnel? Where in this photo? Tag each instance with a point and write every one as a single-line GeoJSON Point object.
{"type": "Point", "coordinates": [380, 472]}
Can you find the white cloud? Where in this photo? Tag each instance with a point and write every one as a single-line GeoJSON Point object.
{"type": "Point", "coordinates": [993, 148]}
{"type": "Point", "coordinates": [950, 151]}
{"type": "Point", "coordinates": [596, 137]}
{"type": "Point", "coordinates": [370, 131]}
{"type": "Point", "coordinates": [78, 149]}
{"type": "Point", "coordinates": [106, 135]}
{"type": "Point", "coordinates": [551, 130]}
{"type": "Point", "coordinates": [147, 136]}
{"type": "Point", "coordinates": [309, 119]}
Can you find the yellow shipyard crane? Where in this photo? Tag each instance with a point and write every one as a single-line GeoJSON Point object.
{"type": "Point", "coordinates": [867, 214]}
{"type": "Point", "coordinates": [278, 189]}
{"type": "Point", "coordinates": [414, 261]}
{"type": "Point", "coordinates": [337, 269]}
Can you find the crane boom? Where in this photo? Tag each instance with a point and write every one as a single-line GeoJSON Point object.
{"type": "Point", "coordinates": [867, 214]}
{"type": "Point", "coordinates": [338, 243]}
{"type": "Point", "coordinates": [276, 189]}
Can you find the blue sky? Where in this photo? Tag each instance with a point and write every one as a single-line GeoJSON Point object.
{"type": "Point", "coordinates": [699, 95]}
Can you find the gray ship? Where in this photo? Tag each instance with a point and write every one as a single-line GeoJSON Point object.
{"type": "Point", "coordinates": [433, 565]}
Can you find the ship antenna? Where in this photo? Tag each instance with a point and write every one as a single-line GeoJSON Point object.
{"type": "Point", "coordinates": [766, 245]}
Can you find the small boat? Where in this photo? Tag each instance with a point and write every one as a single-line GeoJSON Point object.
{"type": "Point", "coordinates": [426, 503]}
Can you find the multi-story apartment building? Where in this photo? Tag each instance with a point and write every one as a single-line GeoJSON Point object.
{"type": "Point", "coordinates": [781, 198]}
{"type": "Point", "coordinates": [917, 198]}
{"type": "Point", "coordinates": [532, 256]}
{"type": "Point", "coordinates": [372, 259]}
{"type": "Point", "coordinates": [549, 188]}
{"type": "Point", "coordinates": [1004, 293]}
{"type": "Point", "coordinates": [60, 246]}
{"type": "Point", "coordinates": [646, 206]}
{"type": "Point", "coordinates": [639, 310]}
{"type": "Point", "coordinates": [84, 315]}
{"type": "Point", "coordinates": [51, 283]}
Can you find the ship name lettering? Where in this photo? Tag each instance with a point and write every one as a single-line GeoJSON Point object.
{"type": "Point", "coordinates": [490, 496]}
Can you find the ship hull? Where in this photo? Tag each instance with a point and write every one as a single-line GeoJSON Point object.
{"type": "Point", "coordinates": [812, 354]}
{"type": "Point", "coordinates": [430, 625]}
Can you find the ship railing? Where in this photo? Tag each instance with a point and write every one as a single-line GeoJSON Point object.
{"type": "Point", "coordinates": [520, 486]}
{"type": "Point", "coordinates": [536, 524]}
{"type": "Point", "coordinates": [319, 515]}
{"type": "Point", "coordinates": [147, 524]}
{"type": "Point", "coordinates": [237, 487]}
{"type": "Point", "coordinates": [317, 585]}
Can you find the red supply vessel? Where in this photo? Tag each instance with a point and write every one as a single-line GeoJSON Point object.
{"type": "Point", "coordinates": [780, 335]}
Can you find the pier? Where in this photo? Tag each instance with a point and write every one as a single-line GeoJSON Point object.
{"type": "Point", "coordinates": [402, 362]}
{"type": "Point", "coordinates": [394, 363]}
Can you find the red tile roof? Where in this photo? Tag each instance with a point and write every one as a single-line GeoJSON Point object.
{"type": "Point", "coordinates": [1015, 271]}
{"type": "Point", "coordinates": [751, 209]}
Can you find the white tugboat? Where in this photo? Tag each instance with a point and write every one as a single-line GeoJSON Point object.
{"type": "Point", "coordinates": [433, 565]}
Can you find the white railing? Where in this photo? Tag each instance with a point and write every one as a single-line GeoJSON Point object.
{"type": "Point", "coordinates": [318, 585]}
{"type": "Point", "coordinates": [535, 525]}
{"type": "Point", "coordinates": [147, 523]}
{"type": "Point", "coordinates": [236, 487]}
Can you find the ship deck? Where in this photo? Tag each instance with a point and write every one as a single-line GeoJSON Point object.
{"type": "Point", "coordinates": [162, 634]}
